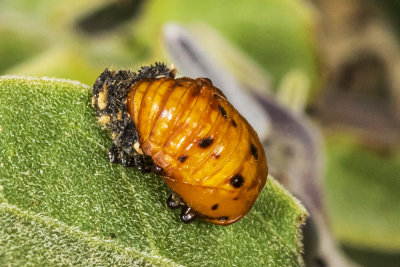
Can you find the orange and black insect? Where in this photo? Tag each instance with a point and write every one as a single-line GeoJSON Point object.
{"type": "Point", "coordinates": [186, 131]}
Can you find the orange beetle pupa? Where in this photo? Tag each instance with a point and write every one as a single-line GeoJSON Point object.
{"type": "Point", "coordinates": [186, 131]}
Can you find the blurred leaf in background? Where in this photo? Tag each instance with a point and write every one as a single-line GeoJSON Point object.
{"type": "Point", "coordinates": [373, 217]}
{"type": "Point", "coordinates": [277, 34]}
{"type": "Point", "coordinates": [359, 110]}
{"type": "Point", "coordinates": [280, 37]}
{"type": "Point", "coordinates": [17, 45]}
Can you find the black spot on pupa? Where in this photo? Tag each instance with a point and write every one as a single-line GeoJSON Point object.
{"type": "Point", "coordinates": [223, 111]}
{"type": "Point", "coordinates": [182, 158]}
{"type": "Point", "coordinates": [214, 207]}
{"type": "Point", "coordinates": [205, 142]}
{"type": "Point", "coordinates": [236, 198]}
{"type": "Point", "coordinates": [234, 123]}
{"type": "Point", "coordinates": [216, 156]}
{"type": "Point", "coordinates": [237, 181]}
{"type": "Point", "coordinates": [253, 150]}
{"type": "Point", "coordinates": [223, 218]}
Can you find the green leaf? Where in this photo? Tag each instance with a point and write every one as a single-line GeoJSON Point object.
{"type": "Point", "coordinates": [278, 34]}
{"type": "Point", "coordinates": [18, 44]}
{"type": "Point", "coordinates": [74, 65]}
{"type": "Point", "coordinates": [62, 202]}
{"type": "Point", "coordinates": [362, 190]}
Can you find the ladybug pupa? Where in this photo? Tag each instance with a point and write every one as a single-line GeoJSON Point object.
{"type": "Point", "coordinates": [186, 131]}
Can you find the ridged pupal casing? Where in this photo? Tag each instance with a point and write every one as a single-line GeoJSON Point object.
{"type": "Point", "coordinates": [210, 155]}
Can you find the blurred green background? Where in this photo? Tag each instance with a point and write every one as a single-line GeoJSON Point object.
{"type": "Point", "coordinates": [346, 50]}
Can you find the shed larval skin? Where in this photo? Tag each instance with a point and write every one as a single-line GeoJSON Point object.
{"type": "Point", "coordinates": [211, 157]}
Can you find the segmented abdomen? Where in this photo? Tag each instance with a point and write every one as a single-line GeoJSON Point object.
{"type": "Point", "coordinates": [190, 130]}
